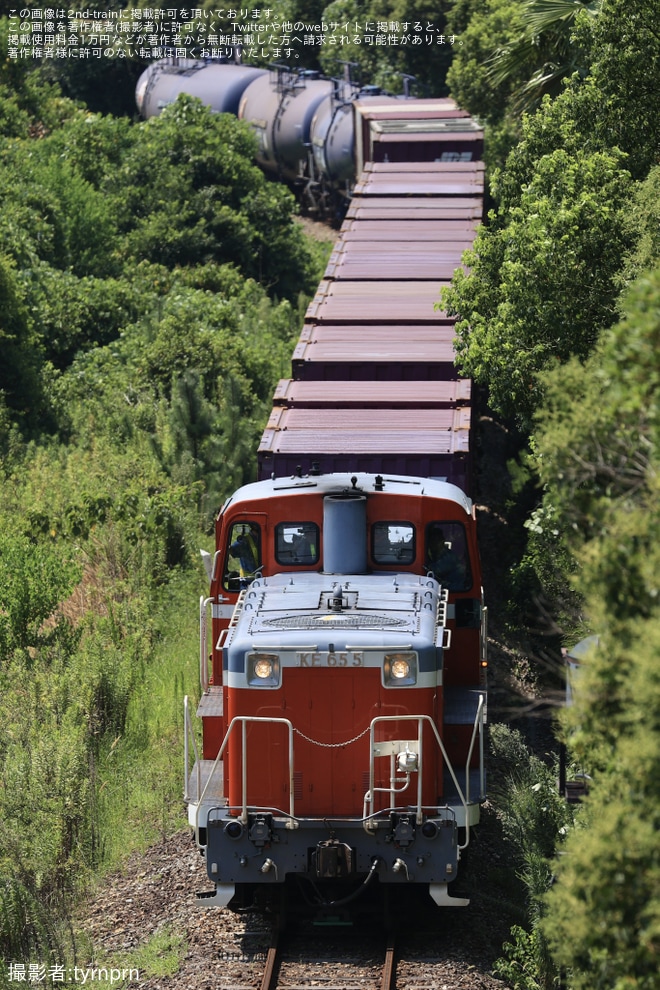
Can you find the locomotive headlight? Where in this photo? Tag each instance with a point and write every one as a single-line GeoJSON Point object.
{"type": "Point", "coordinates": [400, 669]}
{"type": "Point", "coordinates": [263, 669]}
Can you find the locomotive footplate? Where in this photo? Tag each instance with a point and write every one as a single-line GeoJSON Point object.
{"type": "Point", "coordinates": [267, 848]}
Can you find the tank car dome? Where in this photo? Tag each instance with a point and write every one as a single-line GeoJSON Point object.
{"type": "Point", "coordinates": [219, 85]}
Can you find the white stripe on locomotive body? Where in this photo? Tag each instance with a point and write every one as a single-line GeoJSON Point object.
{"type": "Point", "coordinates": [222, 611]}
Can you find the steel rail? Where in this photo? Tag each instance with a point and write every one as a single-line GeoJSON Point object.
{"type": "Point", "coordinates": [388, 981]}
{"type": "Point", "coordinates": [273, 959]}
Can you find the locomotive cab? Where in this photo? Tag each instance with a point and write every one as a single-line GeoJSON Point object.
{"type": "Point", "coordinates": [343, 706]}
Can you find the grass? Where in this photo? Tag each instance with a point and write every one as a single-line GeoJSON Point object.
{"type": "Point", "coordinates": [141, 773]}
{"type": "Point", "coordinates": [160, 957]}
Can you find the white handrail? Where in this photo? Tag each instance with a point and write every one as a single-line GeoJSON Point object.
{"type": "Point", "coordinates": [189, 734]}
{"type": "Point", "coordinates": [243, 720]}
{"type": "Point", "coordinates": [484, 634]}
{"type": "Point", "coordinates": [477, 727]}
{"type": "Point", "coordinates": [420, 719]}
{"type": "Point", "coordinates": [203, 658]}
{"type": "Point", "coordinates": [368, 812]}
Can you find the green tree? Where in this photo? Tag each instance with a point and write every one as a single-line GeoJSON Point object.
{"type": "Point", "coordinates": [598, 458]}
{"type": "Point", "coordinates": [418, 53]}
{"type": "Point", "coordinates": [483, 28]}
{"type": "Point", "coordinates": [20, 351]}
{"type": "Point", "coordinates": [51, 213]}
{"type": "Point", "coordinates": [594, 449]}
{"type": "Point", "coordinates": [543, 278]}
{"type": "Point", "coordinates": [91, 145]}
{"type": "Point", "coordinates": [644, 222]}
{"type": "Point", "coordinates": [546, 274]}
{"type": "Point", "coordinates": [603, 917]}
{"type": "Point", "coordinates": [623, 46]}
{"type": "Point", "coordinates": [189, 194]}
{"type": "Point", "coordinates": [598, 433]}
{"type": "Point", "coordinates": [72, 314]}
{"type": "Point", "coordinates": [546, 46]}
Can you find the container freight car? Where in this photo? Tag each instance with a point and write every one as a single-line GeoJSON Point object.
{"type": "Point", "coordinates": [381, 352]}
{"type": "Point", "coordinates": [370, 394]}
{"type": "Point", "coordinates": [433, 443]}
{"type": "Point", "coordinates": [396, 301]}
{"type": "Point", "coordinates": [414, 131]}
{"type": "Point", "coordinates": [342, 648]}
{"type": "Point", "coordinates": [426, 452]}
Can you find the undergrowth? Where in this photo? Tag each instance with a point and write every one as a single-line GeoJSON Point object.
{"type": "Point", "coordinates": [534, 820]}
{"type": "Point", "coordinates": [91, 761]}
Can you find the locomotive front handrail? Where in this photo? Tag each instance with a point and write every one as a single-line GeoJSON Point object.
{"type": "Point", "coordinates": [368, 811]}
{"type": "Point", "coordinates": [477, 727]}
{"type": "Point", "coordinates": [484, 635]}
{"type": "Point", "coordinates": [203, 638]}
{"type": "Point", "coordinates": [243, 720]}
{"type": "Point", "coordinates": [188, 734]}
{"type": "Point", "coordinates": [420, 719]}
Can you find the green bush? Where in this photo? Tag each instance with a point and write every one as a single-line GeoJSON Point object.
{"type": "Point", "coordinates": [535, 819]}
{"type": "Point", "coordinates": [34, 578]}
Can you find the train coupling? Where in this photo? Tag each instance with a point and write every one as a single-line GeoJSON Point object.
{"type": "Point", "coordinates": [333, 859]}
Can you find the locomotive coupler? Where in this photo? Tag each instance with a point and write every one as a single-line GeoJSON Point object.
{"type": "Point", "coordinates": [333, 859]}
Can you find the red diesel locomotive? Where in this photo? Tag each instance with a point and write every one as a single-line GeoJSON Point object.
{"type": "Point", "coordinates": [342, 653]}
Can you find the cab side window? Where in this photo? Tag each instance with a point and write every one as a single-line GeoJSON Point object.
{"type": "Point", "coordinates": [243, 556]}
{"type": "Point", "coordinates": [447, 555]}
{"type": "Point", "coordinates": [296, 543]}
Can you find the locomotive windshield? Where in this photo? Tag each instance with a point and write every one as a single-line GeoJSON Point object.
{"type": "Point", "coordinates": [296, 543]}
{"type": "Point", "coordinates": [393, 543]}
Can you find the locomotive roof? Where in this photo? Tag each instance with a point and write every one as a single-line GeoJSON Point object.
{"type": "Point", "coordinates": [332, 484]}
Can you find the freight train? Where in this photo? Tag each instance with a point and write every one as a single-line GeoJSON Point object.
{"type": "Point", "coordinates": [305, 125]}
{"type": "Point", "coordinates": [343, 638]}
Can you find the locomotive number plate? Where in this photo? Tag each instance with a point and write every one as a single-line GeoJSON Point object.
{"type": "Point", "coordinates": [323, 658]}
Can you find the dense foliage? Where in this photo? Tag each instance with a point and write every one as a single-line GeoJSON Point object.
{"type": "Point", "coordinates": [604, 913]}
{"type": "Point", "coordinates": [547, 271]}
{"type": "Point", "coordinates": [534, 295]}
{"type": "Point", "coordinates": [151, 283]}
{"type": "Point", "coordinates": [559, 317]}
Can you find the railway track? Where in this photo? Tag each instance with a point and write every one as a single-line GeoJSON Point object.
{"type": "Point", "coordinates": [279, 952]}
{"type": "Point", "coordinates": [364, 960]}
